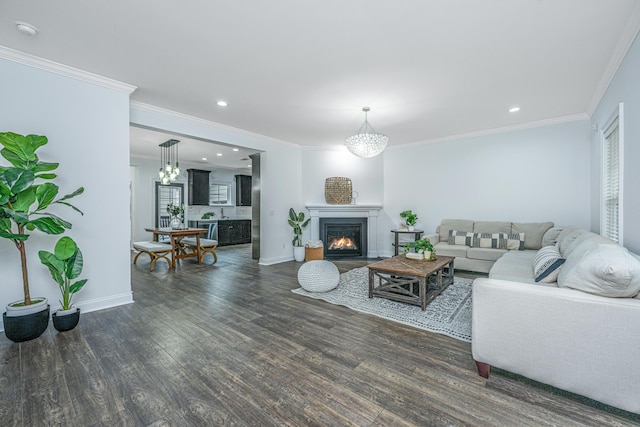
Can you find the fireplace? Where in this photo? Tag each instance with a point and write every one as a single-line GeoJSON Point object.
{"type": "Point", "coordinates": [344, 237]}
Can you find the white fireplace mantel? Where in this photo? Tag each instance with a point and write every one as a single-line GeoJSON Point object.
{"type": "Point", "coordinates": [348, 211]}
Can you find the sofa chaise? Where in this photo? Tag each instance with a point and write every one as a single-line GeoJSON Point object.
{"type": "Point", "coordinates": [566, 314]}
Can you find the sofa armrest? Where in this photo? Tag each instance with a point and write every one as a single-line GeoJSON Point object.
{"type": "Point", "coordinates": [572, 340]}
{"type": "Point", "coordinates": [433, 238]}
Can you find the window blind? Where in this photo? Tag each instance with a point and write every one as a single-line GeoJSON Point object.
{"type": "Point", "coordinates": [611, 214]}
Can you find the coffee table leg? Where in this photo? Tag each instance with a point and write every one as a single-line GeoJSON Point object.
{"type": "Point", "coordinates": [371, 279]}
{"type": "Point", "coordinates": [422, 283]}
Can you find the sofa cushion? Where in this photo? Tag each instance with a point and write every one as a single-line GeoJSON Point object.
{"type": "Point", "coordinates": [514, 266]}
{"type": "Point", "coordinates": [567, 236]}
{"type": "Point", "coordinates": [607, 270]}
{"type": "Point", "coordinates": [489, 240]}
{"type": "Point", "coordinates": [457, 237]}
{"type": "Point", "coordinates": [446, 249]}
{"type": "Point", "coordinates": [546, 264]}
{"type": "Point", "coordinates": [485, 254]}
{"type": "Point", "coordinates": [586, 237]}
{"type": "Point", "coordinates": [491, 227]}
{"type": "Point", "coordinates": [516, 241]}
{"type": "Point", "coordinates": [453, 224]}
{"type": "Point", "coordinates": [533, 232]}
{"type": "Point", "coordinates": [550, 237]}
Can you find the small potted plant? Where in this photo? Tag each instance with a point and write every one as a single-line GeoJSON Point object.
{"type": "Point", "coordinates": [298, 223]}
{"type": "Point", "coordinates": [26, 191]}
{"type": "Point", "coordinates": [409, 218]}
{"type": "Point", "coordinates": [177, 215]}
{"type": "Point", "coordinates": [65, 264]}
{"type": "Point", "coordinates": [422, 246]}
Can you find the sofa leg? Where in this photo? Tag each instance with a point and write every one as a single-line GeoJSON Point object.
{"type": "Point", "coordinates": [483, 369]}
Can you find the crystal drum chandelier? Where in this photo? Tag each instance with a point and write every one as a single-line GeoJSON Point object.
{"type": "Point", "coordinates": [169, 169]}
{"type": "Point", "coordinates": [366, 143]}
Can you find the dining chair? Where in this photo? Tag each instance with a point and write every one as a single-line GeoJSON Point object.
{"type": "Point", "coordinates": [165, 221]}
{"type": "Point", "coordinates": [207, 246]}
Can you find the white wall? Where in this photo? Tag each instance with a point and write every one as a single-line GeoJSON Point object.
{"type": "Point", "coordinates": [88, 130]}
{"type": "Point", "coordinates": [532, 175]}
{"type": "Point", "coordinates": [625, 87]}
{"type": "Point", "coordinates": [145, 175]}
{"type": "Point", "coordinates": [280, 186]}
{"type": "Point", "coordinates": [365, 174]}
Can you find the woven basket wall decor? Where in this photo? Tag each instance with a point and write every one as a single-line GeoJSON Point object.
{"type": "Point", "coordinates": [337, 190]}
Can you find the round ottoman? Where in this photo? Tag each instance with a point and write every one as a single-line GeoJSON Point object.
{"type": "Point", "coordinates": [318, 276]}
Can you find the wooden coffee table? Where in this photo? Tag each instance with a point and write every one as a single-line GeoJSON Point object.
{"type": "Point", "coordinates": [412, 281]}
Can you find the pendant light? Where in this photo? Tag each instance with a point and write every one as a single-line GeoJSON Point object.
{"type": "Point", "coordinates": [169, 166]}
{"type": "Point", "coordinates": [367, 142]}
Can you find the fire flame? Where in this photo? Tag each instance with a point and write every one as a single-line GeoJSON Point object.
{"type": "Point", "coordinates": [342, 243]}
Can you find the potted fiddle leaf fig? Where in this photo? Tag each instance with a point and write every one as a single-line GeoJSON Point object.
{"type": "Point", "coordinates": [296, 220]}
{"type": "Point", "coordinates": [65, 264]}
{"type": "Point", "coordinates": [27, 190]}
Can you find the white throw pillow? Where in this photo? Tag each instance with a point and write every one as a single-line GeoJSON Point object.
{"type": "Point", "coordinates": [547, 264]}
{"type": "Point", "coordinates": [607, 270]}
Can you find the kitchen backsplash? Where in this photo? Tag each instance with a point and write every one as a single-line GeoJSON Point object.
{"type": "Point", "coordinates": [233, 212]}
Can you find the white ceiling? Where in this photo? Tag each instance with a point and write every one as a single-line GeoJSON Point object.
{"type": "Point", "coordinates": [301, 70]}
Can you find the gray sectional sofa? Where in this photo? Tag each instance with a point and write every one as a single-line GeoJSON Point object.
{"type": "Point", "coordinates": [464, 240]}
{"type": "Point", "coordinates": [562, 309]}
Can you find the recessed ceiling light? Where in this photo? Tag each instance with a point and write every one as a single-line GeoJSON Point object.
{"type": "Point", "coordinates": [26, 28]}
{"type": "Point", "coordinates": [236, 149]}
{"type": "Point", "coordinates": [514, 109]}
{"type": "Point", "coordinates": [222, 103]}
{"type": "Point", "coordinates": [219, 154]}
{"type": "Point", "coordinates": [248, 166]}
{"type": "Point", "coordinates": [204, 158]}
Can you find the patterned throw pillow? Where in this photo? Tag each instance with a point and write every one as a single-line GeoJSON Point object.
{"type": "Point", "coordinates": [546, 264]}
{"type": "Point", "coordinates": [515, 241]}
{"type": "Point", "coordinates": [489, 240]}
{"type": "Point", "coordinates": [460, 237]}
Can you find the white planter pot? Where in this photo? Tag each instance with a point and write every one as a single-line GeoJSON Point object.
{"type": "Point", "coordinates": [15, 311]}
{"type": "Point", "coordinates": [72, 310]}
{"type": "Point", "coordinates": [298, 253]}
{"type": "Point", "coordinates": [411, 227]}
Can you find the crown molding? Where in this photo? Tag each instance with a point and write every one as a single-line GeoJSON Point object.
{"type": "Point", "coordinates": [514, 128]}
{"type": "Point", "coordinates": [629, 35]}
{"type": "Point", "coordinates": [64, 70]}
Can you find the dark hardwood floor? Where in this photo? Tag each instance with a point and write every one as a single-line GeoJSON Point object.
{"type": "Point", "coordinates": [230, 344]}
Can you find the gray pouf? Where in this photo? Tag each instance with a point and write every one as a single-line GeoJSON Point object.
{"type": "Point", "coordinates": [318, 276]}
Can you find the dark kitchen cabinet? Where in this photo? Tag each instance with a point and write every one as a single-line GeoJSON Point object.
{"type": "Point", "coordinates": [243, 190]}
{"type": "Point", "coordinates": [234, 231]}
{"type": "Point", "coordinates": [198, 187]}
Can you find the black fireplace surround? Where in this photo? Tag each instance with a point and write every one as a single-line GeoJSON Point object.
{"type": "Point", "coordinates": [344, 237]}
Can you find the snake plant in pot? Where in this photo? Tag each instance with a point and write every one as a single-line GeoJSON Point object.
{"type": "Point", "coordinates": [26, 191]}
{"type": "Point", "coordinates": [296, 220]}
{"type": "Point", "coordinates": [65, 264]}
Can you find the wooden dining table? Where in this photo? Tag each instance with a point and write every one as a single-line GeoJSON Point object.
{"type": "Point", "coordinates": [175, 236]}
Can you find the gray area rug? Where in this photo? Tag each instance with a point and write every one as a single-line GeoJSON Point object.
{"type": "Point", "coordinates": [448, 314]}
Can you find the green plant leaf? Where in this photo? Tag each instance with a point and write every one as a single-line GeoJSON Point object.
{"type": "Point", "coordinates": [75, 264]}
{"type": "Point", "coordinates": [50, 225]}
{"type": "Point", "coordinates": [22, 146]}
{"type": "Point", "coordinates": [18, 179]}
{"type": "Point", "coordinates": [65, 248]}
{"type": "Point", "coordinates": [304, 224]}
{"type": "Point", "coordinates": [24, 200]}
{"type": "Point", "coordinates": [293, 224]}
{"type": "Point", "coordinates": [55, 265]}
{"type": "Point", "coordinates": [77, 286]}
{"type": "Point", "coordinates": [292, 215]}
{"type": "Point", "coordinates": [45, 167]}
{"type": "Point", "coordinates": [45, 194]}
{"type": "Point", "coordinates": [300, 217]}
{"type": "Point", "coordinates": [81, 190]}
